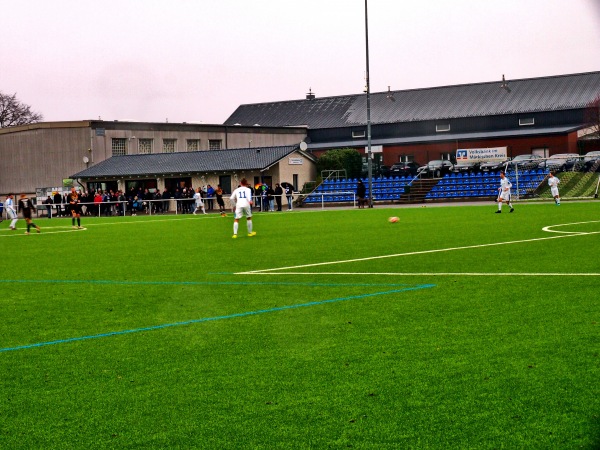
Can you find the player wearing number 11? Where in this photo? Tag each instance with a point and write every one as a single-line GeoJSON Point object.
{"type": "Point", "coordinates": [242, 199]}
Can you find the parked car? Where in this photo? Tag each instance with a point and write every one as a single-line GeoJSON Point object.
{"type": "Point", "coordinates": [525, 162]}
{"type": "Point", "coordinates": [590, 160]}
{"type": "Point", "coordinates": [376, 171]}
{"type": "Point", "coordinates": [466, 167]}
{"type": "Point", "coordinates": [561, 162]}
{"type": "Point", "coordinates": [405, 169]}
{"type": "Point", "coordinates": [493, 166]}
{"type": "Point", "coordinates": [436, 168]}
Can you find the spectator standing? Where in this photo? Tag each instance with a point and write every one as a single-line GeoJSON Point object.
{"type": "Point", "coordinates": [58, 204]}
{"type": "Point", "coordinates": [264, 198]}
{"type": "Point", "coordinates": [122, 205]}
{"type": "Point", "coordinates": [289, 194]}
{"type": "Point", "coordinates": [278, 195]}
{"type": "Point", "coordinates": [166, 195]}
{"type": "Point", "coordinates": [48, 203]}
{"type": "Point", "coordinates": [156, 204]}
{"type": "Point", "coordinates": [210, 195]}
{"type": "Point", "coordinates": [361, 193]}
{"type": "Point", "coordinates": [271, 198]}
{"type": "Point", "coordinates": [178, 202]}
{"type": "Point", "coordinates": [98, 199]}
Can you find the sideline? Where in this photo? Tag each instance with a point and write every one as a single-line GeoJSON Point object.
{"type": "Point", "coordinates": [442, 274]}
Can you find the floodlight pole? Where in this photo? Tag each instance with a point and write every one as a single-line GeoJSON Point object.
{"type": "Point", "coordinates": [368, 89]}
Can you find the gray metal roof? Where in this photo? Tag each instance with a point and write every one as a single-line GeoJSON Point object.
{"type": "Point", "coordinates": [258, 158]}
{"type": "Point", "coordinates": [552, 93]}
{"type": "Point", "coordinates": [359, 143]}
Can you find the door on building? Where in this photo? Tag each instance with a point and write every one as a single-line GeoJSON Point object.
{"type": "Point", "coordinates": [225, 182]}
{"type": "Point", "coordinates": [171, 184]}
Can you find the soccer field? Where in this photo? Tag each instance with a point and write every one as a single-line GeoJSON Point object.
{"type": "Point", "coordinates": [454, 328]}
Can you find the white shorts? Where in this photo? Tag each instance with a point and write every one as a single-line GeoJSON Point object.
{"type": "Point", "coordinates": [554, 191]}
{"type": "Point", "coordinates": [243, 211]}
{"type": "Point", "coordinates": [11, 214]}
{"type": "Point", "coordinates": [504, 196]}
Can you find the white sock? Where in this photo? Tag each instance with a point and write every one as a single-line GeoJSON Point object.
{"type": "Point", "coordinates": [235, 227]}
{"type": "Point", "coordinates": [249, 225]}
{"type": "Point", "coordinates": [499, 206]}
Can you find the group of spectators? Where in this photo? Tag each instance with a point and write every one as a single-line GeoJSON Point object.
{"type": "Point", "coordinates": [267, 196]}
{"type": "Point", "coordinates": [137, 200]}
{"type": "Point", "coordinates": [119, 203]}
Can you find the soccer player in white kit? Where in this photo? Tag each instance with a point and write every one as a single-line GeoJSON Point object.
{"type": "Point", "coordinates": [553, 183]}
{"type": "Point", "coordinates": [199, 202]}
{"type": "Point", "coordinates": [242, 198]}
{"type": "Point", "coordinates": [504, 193]}
{"type": "Point", "coordinates": [9, 205]}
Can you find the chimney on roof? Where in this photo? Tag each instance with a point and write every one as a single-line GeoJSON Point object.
{"type": "Point", "coordinates": [310, 95]}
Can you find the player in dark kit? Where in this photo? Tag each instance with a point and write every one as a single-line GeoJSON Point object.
{"type": "Point", "coordinates": [75, 208]}
{"type": "Point", "coordinates": [26, 208]}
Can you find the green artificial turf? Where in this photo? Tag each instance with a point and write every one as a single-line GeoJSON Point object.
{"type": "Point", "coordinates": [453, 328]}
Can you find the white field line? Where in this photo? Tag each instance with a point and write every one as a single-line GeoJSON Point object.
{"type": "Point", "coordinates": [435, 274]}
{"type": "Point", "coordinates": [21, 233]}
{"type": "Point", "coordinates": [422, 252]}
{"type": "Point", "coordinates": [550, 230]}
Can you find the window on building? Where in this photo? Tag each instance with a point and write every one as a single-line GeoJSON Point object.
{"type": "Point", "coordinates": [442, 127]}
{"type": "Point", "coordinates": [145, 146]}
{"type": "Point", "coordinates": [193, 145]}
{"type": "Point", "coordinates": [169, 145]}
{"type": "Point", "coordinates": [119, 146]}
{"type": "Point", "coordinates": [214, 144]}
{"type": "Point", "coordinates": [358, 133]}
{"type": "Point", "coordinates": [526, 121]}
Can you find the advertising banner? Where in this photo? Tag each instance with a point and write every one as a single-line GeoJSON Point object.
{"type": "Point", "coordinates": [481, 154]}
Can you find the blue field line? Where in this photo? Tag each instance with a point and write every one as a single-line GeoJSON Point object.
{"type": "Point", "coordinates": [210, 319]}
{"type": "Point", "coordinates": [202, 283]}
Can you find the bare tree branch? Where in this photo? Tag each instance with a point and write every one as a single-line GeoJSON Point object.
{"type": "Point", "coordinates": [14, 113]}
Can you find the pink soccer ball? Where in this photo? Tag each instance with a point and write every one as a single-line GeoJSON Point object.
{"type": "Point", "coordinates": [393, 219]}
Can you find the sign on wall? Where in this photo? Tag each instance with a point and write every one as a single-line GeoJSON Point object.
{"type": "Point", "coordinates": [374, 149]}
{"type": "Point", "coordinates": [295, 161]}
{"type": "Point", "coordinates": [482, 154]}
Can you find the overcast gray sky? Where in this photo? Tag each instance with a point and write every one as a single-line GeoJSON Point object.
{"type": "Point", "coordinates": [197, 60]}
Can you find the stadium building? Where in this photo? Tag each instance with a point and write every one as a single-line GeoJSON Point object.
{"type": "Point", "coordinates": [42, 157]}
{"type": "Point", "coordinates": [542, 116]}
